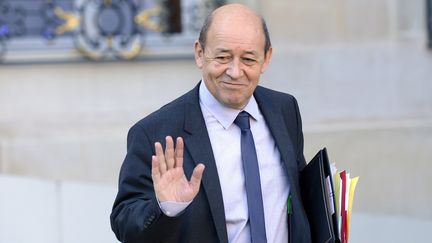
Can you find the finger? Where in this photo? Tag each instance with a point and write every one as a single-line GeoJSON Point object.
{"type": "Point", "coordinates": [169, 152]}
{"type": "Point", "coordinates": [195, 180]}
{"type": "Point", "coordinates": [179, 152]}
{"type": "Point", "coordinates": [155, 173]}
{"type": "Point", "coordinates": [160, 157]}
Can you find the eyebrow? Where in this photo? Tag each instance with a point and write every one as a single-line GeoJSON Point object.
{"type": "Point", "coordinates": [223, 50]}
{"type": "Point", "coordinates": [251, 53]}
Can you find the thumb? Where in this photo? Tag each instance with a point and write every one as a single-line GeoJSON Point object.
{"type": "Point", "coordinates": [195, 180]}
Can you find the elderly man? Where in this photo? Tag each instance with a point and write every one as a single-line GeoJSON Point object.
{"type": "Point", "coordinates": [232, 173]}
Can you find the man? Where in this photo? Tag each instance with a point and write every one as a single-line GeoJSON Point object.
{"type": "Point", "coordinates": [199, 188]}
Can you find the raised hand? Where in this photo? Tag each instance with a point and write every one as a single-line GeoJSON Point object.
{"type": "Point", "coordinates": [169, 180]}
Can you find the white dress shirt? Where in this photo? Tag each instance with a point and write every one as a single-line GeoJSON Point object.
{"type": "Point", "coordinates": [225, 140]}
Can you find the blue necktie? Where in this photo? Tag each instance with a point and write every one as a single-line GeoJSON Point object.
{"type": "Point", "coordinates": [252, 180]}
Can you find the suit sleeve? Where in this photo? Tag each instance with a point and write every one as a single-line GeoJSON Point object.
{"type": "Point", "coordinates": [302, 229]}
{"type": "Point", "coordinates": [136, 216]}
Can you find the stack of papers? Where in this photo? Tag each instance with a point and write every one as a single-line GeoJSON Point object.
{"type": "Point", "coordinates": [344, 187]}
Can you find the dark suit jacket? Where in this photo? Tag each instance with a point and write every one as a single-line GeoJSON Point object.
{"type": "Point", "coordinates": [136, 216]}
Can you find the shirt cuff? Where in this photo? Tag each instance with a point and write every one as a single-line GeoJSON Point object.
{"type": "Point", "coordinates": [172, 209]}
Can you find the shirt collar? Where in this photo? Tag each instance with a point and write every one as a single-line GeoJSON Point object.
{"type": "Point", "coordinates": [225, 115]}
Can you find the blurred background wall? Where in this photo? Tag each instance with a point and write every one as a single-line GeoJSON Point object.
{"type": "Point", "coordinates": [360, 70]}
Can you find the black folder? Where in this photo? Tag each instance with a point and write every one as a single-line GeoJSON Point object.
{"type": "Point", "coordinates": [316, 200]}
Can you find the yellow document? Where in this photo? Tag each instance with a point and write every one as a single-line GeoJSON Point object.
{"type": "Point", "coordinates": [350, 200]}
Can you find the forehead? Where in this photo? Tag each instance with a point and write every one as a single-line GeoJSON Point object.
{"type": "Point", "coordinates": [236, 31]}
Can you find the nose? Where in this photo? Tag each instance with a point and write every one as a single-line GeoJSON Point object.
{"type": "Point", "coordinates": [234, 69]}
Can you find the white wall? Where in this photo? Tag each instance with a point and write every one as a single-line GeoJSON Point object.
{"type": "Point", "coordinates": [48, 211]}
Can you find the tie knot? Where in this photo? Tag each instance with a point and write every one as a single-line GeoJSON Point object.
{"type": "Point", "coordinates": [242, 120]}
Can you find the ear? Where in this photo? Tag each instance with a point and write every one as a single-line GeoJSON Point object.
{"type": "Point", "coordinates": [199, 54]}
{"type": "Point", "coordinates": [267, 58]}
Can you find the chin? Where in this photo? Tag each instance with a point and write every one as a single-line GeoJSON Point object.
{"type": "Point", "coordinates": [234, 104]}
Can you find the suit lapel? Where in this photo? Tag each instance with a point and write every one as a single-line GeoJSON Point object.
{"type": "Point", "coordinates": [275, 121]}
{"type": "Point", "coordinates": [197, 143]}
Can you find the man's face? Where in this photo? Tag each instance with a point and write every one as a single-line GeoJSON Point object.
{"type": "Point", "coordinates": [233, 59]}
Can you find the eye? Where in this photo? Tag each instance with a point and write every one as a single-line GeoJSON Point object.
{"type": "Point", "coordinates": [223, 59]}
{"type": "Point", "coordinates": [248, 61]}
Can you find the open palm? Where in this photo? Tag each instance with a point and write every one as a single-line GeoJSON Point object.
{"type": "Point", "coordinates": [169, 179]}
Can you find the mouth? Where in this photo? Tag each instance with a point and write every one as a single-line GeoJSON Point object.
{"type": "Point", "coordinates": [233, 84]}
